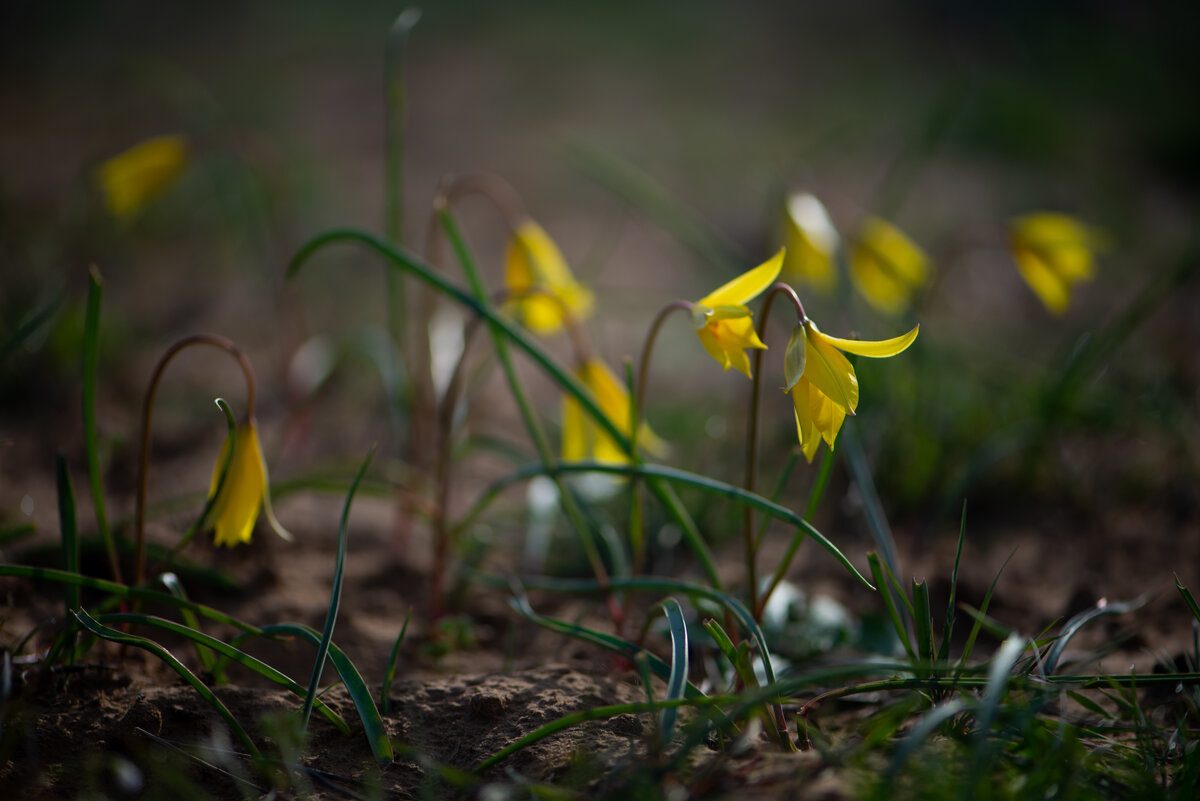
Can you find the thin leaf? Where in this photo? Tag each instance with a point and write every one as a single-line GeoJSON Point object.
{"type": "Point", "coordinates": [70, 534]}
{"type": "Point", "coordinates": [948, 624]}
{"type": "Point", "coordinates": [1080, 620]}
{"type": "Point", "coordinates": [173, 585]}
{"type": "Point", "coordinates": [89, 623]}
{"type": "Point", "coordinates": [208, 643]}
{"type": "Point", "coordinates": [32, 323]}
{"type": "Point", "coordinates": [91, 345]}
{"type": "Point", "coordinates": [389, 674]}
{"type": "Point", "coordinates": [677, 682]}
{"type": "Point", "coordinates": [930, 722]}
{"type": "Point", "coordinates": [335, 597]}
{"type": "Point", "coordinates": [364, 704]}
{"type": "Point", "coordinates": [890, 605]}
{"type": "Point", "coordinates": [1188, 598]}
{"type": "Point", "coordinates": [981, 615]}
{"type": "Point", "coordinates": [922, 620]}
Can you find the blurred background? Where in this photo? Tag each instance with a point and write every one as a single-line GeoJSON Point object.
{"type": "Point", "coordinates": [656, 142]}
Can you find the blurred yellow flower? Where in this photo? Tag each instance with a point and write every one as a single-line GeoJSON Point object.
{"type": "Point", "coordinates": [583, 438]}
{"type": "Point", "coordinates": [812, 242]}
{"type": "Point", "coordinates": [537, 276]}
{"type": "Point", "coordinates": [1053, 252]}
{"type": "Point", "coordinates": [888, 267]}
{"type": "Point", "coordinates": [723, 322]}
{"type": "Point", "coordinates": [132, 179]}
{"type": "Point", "coordinates": [822, 381]}
{"type": "Point", "coordinates": [244, 491]}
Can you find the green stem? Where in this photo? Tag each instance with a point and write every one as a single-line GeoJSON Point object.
{"type": "Point", "coordinates": [91, 346]}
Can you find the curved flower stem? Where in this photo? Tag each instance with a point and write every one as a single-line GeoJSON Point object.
{"type": "Point", "coordinates": [751, 545]}
{"type": "Point", "coordinates": [637, 535]}
{"type": "Point", "coordinates": [147, 413]}
{"type": "Point", "coordinates": [490, 186]}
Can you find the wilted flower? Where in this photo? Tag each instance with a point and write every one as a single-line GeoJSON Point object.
{"type": "Point", "coordinates": [583, 438]}
{"type": "Point", "coordinates": [132, 179]}
{"type": "Point", "coordinates": [822, 381]}
{"type": "Point", "coordinates": [1053, 252]}
{"type": "Point", "coordinates": [537, 277]}
{"type": "Point", "coordinates": [244, 491]}
{"type": "Point", "coordinates": [812, 242]}
{"type": "Point", "coordinates": [723, 322]}
{"type": "Point", "coordinates": [887, 266]}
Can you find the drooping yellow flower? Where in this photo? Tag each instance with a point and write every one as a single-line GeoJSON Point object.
{"type": "Point", "coordinates": [822, 381]}
{"type": "Point", "coordinates": [722, 320]}
{"type": "Point", "coordinates": [244, 491]}
{"type": "Point", "coordinates": [582, 438]}
{"type": "Point", "coordinates": [887, 267]}
{"type": "Point", "coordinates": [537, 276]}
{"type": "Point", "coordinates": [812, 242]}
{"type": "Point", "coordinates": [1053, 253]}
{"type": "Point", "coordinates": [132, 179]}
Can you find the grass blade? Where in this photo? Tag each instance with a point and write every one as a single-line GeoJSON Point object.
{"type": "Point", "coordinates": [91, 346]}
{"type": "Point", "coordinates": [89, 623]}
{"type": "Point", "coordinates": [948, 624]}
{"type": "Point", "coordinates": [1072, 626]}
{"type": "Point", "coordinates": [677, 682]}
{"type": "Point", "coordinates": [889, 604]}
{"type": "Point", "coordinates": [173, 585]}
{"type": "Point", "coordinates": [364, 704]}
{"type": "Point", "coordinates": [673, 475]}
{"type": "Point", "coordinates": [922, 621]}
{"type": "Point", "coordinates": [70, 533]}
{"type": "Point", "coordinates": [30, 326]}
{"type": "Point", "coordinates": [981, 617]}
{"type": "Point", "coordinates": [335, 596]}
{"type": "Point", "coordinates": [389, 675]}
{"type": "Point", "coordinates": [209, 643]}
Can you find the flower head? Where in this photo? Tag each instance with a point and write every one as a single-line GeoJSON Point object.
{"type": "Point", "coordinates": [887, 266]}
{"type": "Point", "coordinates": [132, 179]}
{"type": "Point", "coordinates": [723, 322]}
{"type": "Point", "coordinates": [537, 276]}
{"type": "Point", "coordinates": [243, 492]}
{"type": "Point", "coordinates": [812, 242]}
{"type": "Point", "coordinates": [583, 438]}
{"type": "Point", "coordinates": [1053, 252]}
{"type": "Point", "coordinates": [822, 381]}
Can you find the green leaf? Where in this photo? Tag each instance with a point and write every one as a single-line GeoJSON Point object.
{"type": "Point", "coordinates": [677, 682]}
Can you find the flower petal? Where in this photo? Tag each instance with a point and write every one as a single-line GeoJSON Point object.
{"type": "Point", "coordinates": [876, 350]}
{"type": "Point", "coordinates": [829, 371]}
{"type": "Point", "coordinates": [746, 286]}
{"type": "Point", "coordinates": [812, 242]}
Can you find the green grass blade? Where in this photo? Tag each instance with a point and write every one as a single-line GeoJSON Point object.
{"type": "Point", "coordinates": [981, 617]}
{"type": "Point", "coordinates": [91, 346]}
{"type": "Point", "coordinates": [335, 596]}
{"type": "Point", "coordinates": [922, 621]}
{"type": "Point", "coordinates": [609, 642]}
{"type": "Point", "coordinates": [123, 591]}
{"type": "Point", "coordinates": [28, 328]}
{"type": "Point", "coordinates": [364, 704]}
{"type": "Point", "coordinates": [889, 604]}
{"type": "Point", "coordinates": [930, 722]}
{"type": "Point", "coordinates": [12, 534]}
{"type": "Point", "coordinates": [389, 674]}
{"type": "Point", "coordinates": [1072, 626]}
{"type": "Point", "coordinates": [70, 533]}
{"type": "Point", "coordinates": [671, 474]}
{"type": "Point", "coordinates": [948, 624]}
{"type": "Point", "coordinates": [89, 623]}
{"type": "Point", "coordinates": [1187, 597]}
{"type": "Point", "coordinates": [211, 644]}
{"type": "Point", "coordinates": [677, 682]}
{"type": "Point", "coordinates": [173, 585]}
{"type": "Point", "coordinates": [574, 719]}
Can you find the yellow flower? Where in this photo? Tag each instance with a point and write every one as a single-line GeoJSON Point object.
{"type": "Point", "coordinates": [723, 322]}
{"type": "Point", "coordinates": [534, 267]}
{"type": "Point", "coordinates": [130, 180]}
{"type": "Point", "coordinates": [812, 242]}
{"type": "Point", "coordinates": [583, 438]}
{"type": "Point", "coordinates": [244, 491]}
{"type": "Point", "coordinates": [822, 381]}
{"type": "Point", "coordinates": [1053, 252]}
{"type": "Point", "coordinates": [887, 266]}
